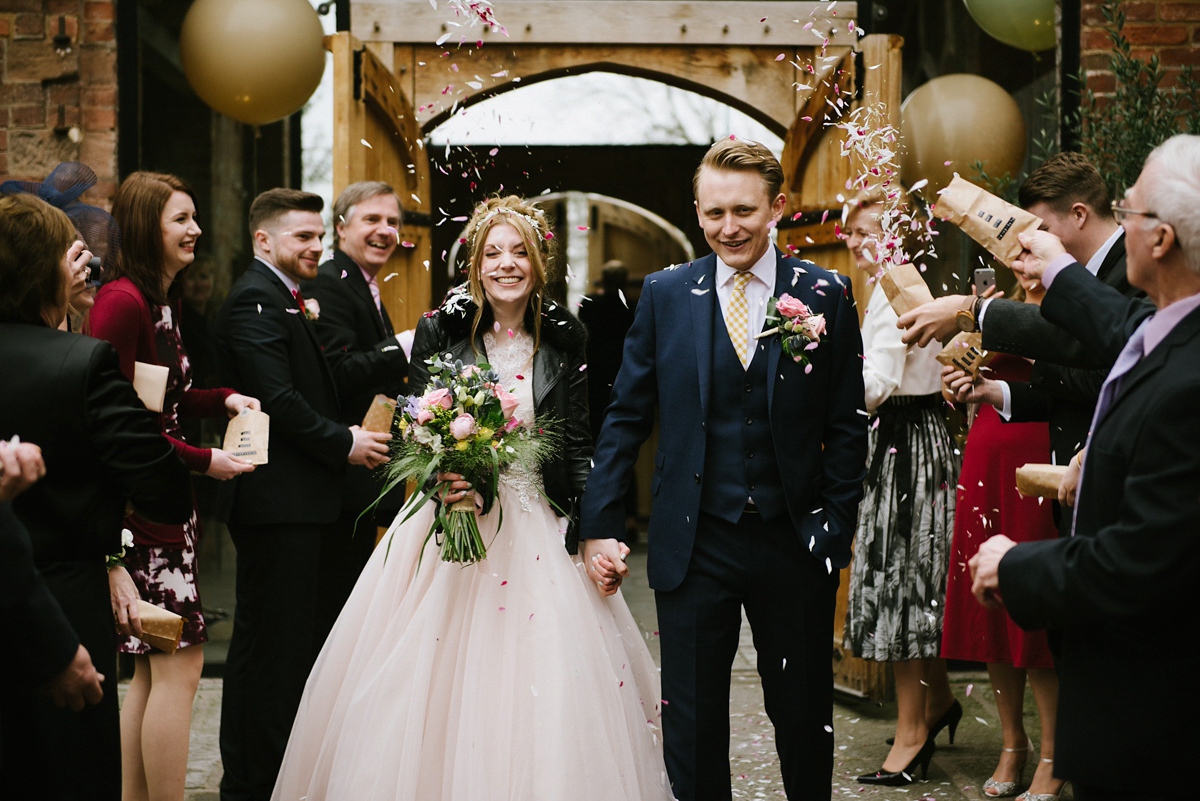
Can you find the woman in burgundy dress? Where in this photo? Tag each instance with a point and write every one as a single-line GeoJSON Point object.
{"type": "Point", "coordinates": [138, 312]}
{"type": "Point", "coordinates": [988, 504]}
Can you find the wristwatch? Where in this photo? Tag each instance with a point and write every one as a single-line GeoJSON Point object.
{"type": "Point", "coordinates": [967, 318]}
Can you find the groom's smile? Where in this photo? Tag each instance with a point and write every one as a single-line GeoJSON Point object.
{"type": "Point", "coordinates": [736, 214]}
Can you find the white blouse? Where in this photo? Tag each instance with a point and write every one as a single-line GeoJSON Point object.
{"type": "Point", "coordinates": [889, 366]}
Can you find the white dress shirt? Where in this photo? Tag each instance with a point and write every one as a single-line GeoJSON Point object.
{"type": "Point", "coordinates": [889, 366]}
{"type": "Point", "coordinates": [758, 291]}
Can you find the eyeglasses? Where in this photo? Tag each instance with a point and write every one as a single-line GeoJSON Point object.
{"type": "Point", "coordinates": [1120, 212]}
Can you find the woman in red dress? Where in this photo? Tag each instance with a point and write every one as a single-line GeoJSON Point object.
{"type": "Point", "coordinates": [137, 310]}
{"type": "Point", "coordinates": [988, 503]}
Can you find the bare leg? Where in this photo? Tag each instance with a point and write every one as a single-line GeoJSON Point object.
{"type": "Point", "coordinates": [167, 722]}
{"type": "Point", "coordinates": [133, 773]}
{"type": "Point", "coordinates": [1045, 693]}
{"type": "Point", "coordinates": [1008, 685]}
{"type": "Point", "coordinates": [938, 696]}
{"type": "Point", "coordinates": [911, 731]}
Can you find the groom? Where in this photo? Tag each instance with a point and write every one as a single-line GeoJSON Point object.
{"type": "Point", "coordinates": [757, 479]}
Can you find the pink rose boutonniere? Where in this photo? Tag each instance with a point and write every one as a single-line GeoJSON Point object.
{"type": "Point", "coordinates": [799, 329]}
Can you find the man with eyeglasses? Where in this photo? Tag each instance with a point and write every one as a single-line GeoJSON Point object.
{"type": "Point", "coordinates": [1073, 202]}
{"type": "Point", "coordinates": [1122, 589]}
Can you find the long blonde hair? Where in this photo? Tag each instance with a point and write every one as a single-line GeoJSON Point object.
{"type": "Point", "coordinates": [530, 222]}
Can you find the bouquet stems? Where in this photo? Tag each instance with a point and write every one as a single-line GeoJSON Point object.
{"type": "Point", "coordinates": [461, 541]}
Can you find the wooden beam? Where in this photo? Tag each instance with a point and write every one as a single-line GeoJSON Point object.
{"type": "Point", "coordinates": [882, 74]}
{"type": "Point", "coordinates": [831, 74]}
{"type": "Point", "coordinates": [710, 22]}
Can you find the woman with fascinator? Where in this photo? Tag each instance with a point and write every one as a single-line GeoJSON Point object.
{"type": "Point", "coordinates": [515, 676]}
{"type": "Point", "coordinates": [95, 230]}
{"type": "Point", "coordinates": [137, 310]}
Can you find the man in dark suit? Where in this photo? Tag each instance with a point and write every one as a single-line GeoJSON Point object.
{"type": "Point", "coordinates": [266, 346]}
{"type": "Point", "coordinates": [102, 449]}
{"type": "Point", "coordinates": [368, 358]}
{"type": "Point", "coordinates": [757, 478]}
{"type": "Point", "coordinates": [1071, 198]}
{"type": "Point", "coordinates": [1122, 589]}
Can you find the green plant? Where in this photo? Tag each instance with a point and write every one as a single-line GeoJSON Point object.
{"type": "Point", "coordinates": [1118, 132]}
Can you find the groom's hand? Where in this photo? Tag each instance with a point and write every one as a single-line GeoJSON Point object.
{"type": "Point", "coordinates": [605, 563]}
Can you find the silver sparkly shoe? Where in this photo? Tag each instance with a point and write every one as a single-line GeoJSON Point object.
{"type": "Point", "coordinates": [1028, 796]}
{"type": "Point", "coordinates": [995, 789]}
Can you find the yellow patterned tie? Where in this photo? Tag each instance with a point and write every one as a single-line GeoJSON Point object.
{"type": "Point", "coordinates": [737, 317]}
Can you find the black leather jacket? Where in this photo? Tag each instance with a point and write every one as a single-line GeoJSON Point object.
{"type": "Point", "coordinates": [559, 386]}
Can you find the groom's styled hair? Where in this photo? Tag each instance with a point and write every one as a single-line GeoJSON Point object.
{"type": "Point", "coordinates": [742, 154]}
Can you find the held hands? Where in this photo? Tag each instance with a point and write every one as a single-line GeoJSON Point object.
{"type": "Point", "coordinates": [1070, 480]}
{"type": "Point", "coordinates": [123, 594]}
{"type": "Point", "coordinates": [223, 465]}
{"type": "Point", "coordinates": [985, 571]}
{"type": "Point", "coordinates": [370, 448]}
{"type": "Point", "coordinates": [20, 466]}
{"type": "Point", "coordinates": [235, 404]}
{"type": "Point", "coordinates": [77, 684]}
{"type": "Point", "coordinates": [605, 563]}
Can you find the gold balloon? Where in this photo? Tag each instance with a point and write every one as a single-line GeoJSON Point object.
{"type": "Point", "coordinates": [959, 119]}
{"type": "Point", "coordinates": [256, 61]}
{"type": "Point", "coordinates": [1027, 24]}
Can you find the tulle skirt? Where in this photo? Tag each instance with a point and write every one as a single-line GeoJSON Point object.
{"type": "Point", "coordinates": [507, 679]}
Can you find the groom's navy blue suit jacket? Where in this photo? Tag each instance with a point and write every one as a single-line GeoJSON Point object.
{"type": "Point", "coordinates": [818, 420]}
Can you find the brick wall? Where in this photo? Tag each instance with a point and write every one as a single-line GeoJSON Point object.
{"type": "Point", "coordinates": [39, 74]}
{"type": "Point", "coordinates": [1170, 28]}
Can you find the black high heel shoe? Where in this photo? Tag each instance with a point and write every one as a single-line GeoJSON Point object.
{"type": "Point", "coordinates": [906, 776]}
{"type": "Point", "coordinates": [950, 717]}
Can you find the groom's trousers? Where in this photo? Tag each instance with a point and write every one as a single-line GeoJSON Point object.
{"type": "Point", "coordinates": [789, 600]}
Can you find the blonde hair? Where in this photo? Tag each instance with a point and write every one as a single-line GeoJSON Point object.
{"type": "Point", "coordinates": [530, 223]}
{"type": "Point", "coordinates": [742, 154]}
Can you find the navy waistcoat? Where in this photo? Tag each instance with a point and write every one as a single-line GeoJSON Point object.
{"type": "Point", "coordinates": [739, 455]}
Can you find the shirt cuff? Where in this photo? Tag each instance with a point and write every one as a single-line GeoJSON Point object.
{"type": "Point", "coordinates": [1055, 267]}
{"type": "Point", "coordinates": [983, 312]}
{"type": "Point", "coordinates": [1005, 410]}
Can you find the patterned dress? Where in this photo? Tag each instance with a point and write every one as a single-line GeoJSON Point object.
{"type": "Point", "coordinates": [166, 577]}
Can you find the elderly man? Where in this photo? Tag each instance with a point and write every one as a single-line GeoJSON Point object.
{"type": "Point", "coordinates": [1121, 590]}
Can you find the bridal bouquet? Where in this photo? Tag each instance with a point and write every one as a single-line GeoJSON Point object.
{"type": "Point", "coordinates": [799, 329]}
{"type": "Point", "coordinates": [465, 424]}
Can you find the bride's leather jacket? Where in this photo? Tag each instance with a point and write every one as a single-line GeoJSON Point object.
{"type": "Point", "coordinates": [559, 385]}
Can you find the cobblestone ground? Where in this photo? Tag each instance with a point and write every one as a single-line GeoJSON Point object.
{"type": "Point", "coordinates": [860, 728]}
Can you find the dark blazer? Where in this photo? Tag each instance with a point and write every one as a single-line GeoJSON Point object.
{"type": "Point", "coordinates": [818, 419]}
{"type": "Point", "coordinates": [65, 393]}
{"type": "Point", "coordinates": [1122, 590]}
{"type": "Point", "coordinates": [361, 348]}
{"type": "Point", "coordinates": [559, 386]}
{"type": "Point", "coordinates": [29, 613]}
{"type": "Point", "coordinates": [267, 349]}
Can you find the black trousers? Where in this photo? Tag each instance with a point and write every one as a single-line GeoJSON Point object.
{"type": "Point", "coordinates": [271, 652]}
{"type": "Point", "coordinates": [345, 550]}
{"type": "Point", "coordinates": [56, 753]}
{"type": "Point", "coordinates": [789, 600]}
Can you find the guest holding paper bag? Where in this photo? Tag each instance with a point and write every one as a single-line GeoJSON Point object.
{"type": "Point", "coordinates": [898, 576]}
{"type": "Point", "coordinates": [137, 310]}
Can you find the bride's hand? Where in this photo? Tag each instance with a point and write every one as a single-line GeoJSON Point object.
{"type": "Point", "coordinates": [454, 487]}
{"type": "Point", "coordinates": [605, 563]}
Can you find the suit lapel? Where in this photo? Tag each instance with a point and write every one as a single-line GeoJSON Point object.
{"type": "Point", "coordinates": [358, 285]}
{"type": "Point", "coordinates": [783, 283]}
{"type": "Point", "coordinates": [1188, 328]}
{"type": "Point", "coordinates": [289, 303]}
{"type": "Point", "coordinates": [1115, 254]}
{"type": "Point", "coordinates": [704, 309]}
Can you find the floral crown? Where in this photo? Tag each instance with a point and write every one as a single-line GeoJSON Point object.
{"type": "Point", "coordinates": [533, 222]}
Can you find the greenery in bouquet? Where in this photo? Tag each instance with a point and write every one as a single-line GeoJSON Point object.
{"type": "Point", "coordinates": [464, 423]}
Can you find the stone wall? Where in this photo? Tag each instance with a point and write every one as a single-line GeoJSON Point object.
{"type": "Point", "coordinates": [59, 54]}
{"type": "Point", "coordinates": [1170, 28]}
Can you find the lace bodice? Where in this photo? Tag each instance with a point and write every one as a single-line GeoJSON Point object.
{"type": "Point", "coordinates": [512, 357]}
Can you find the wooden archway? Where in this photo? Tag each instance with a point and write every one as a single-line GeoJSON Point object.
{"type": "Point", "coordinates": [784, 63]}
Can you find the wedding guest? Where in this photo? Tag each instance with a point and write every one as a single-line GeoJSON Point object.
{"type": "Point", "coordinates": [898, 575]}
{"type": "Point", "coordinates": [102, 449]}
{"type": "Point", "coordinates": [368, 358]}
{"type": "Point", "coordinates": [507, 678]}
{"type": "Point", "coordinates": [137, 310]}
{"type": "Point", "coordinates": [93, 226]}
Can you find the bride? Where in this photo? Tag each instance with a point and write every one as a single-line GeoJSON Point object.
{"type": "Point", "coordinates": [515, 677]}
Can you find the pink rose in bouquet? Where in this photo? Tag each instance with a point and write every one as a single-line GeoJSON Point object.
{"type": "Point", "coordinates": [462, 426]}
{"type": "Point", "coordinates": [508, 402]}
{"type": "Point", "coordinates": [791, 307]}
{"type": "Point", "coordinates": [814, 326]}
{"type": "Point", "coordinates": [438, 397]}
{"type": "Point", "coordinates": [424, 416]}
